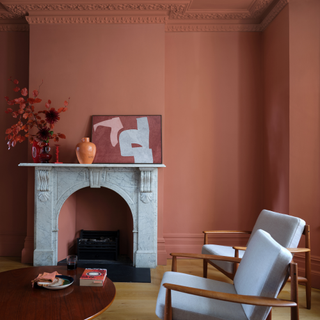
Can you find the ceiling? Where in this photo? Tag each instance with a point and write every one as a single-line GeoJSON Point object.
{"type": "Point", "coordinates": [178, 15]}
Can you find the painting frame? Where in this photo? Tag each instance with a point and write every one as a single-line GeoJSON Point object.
{"type": "Point", "coordinates": [127, 139]}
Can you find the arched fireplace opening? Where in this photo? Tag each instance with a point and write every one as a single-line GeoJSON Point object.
{"type": "Point", "coordinates": [97, 210]}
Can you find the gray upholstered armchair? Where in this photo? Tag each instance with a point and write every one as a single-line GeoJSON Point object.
{"type": "Point", "coordinates": [285, 229]}
{"type": "Point", "coordinates": [260, 276]}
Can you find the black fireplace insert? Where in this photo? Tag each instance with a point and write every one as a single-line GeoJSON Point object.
{"type": "Point", "coordinates": [98, 245]}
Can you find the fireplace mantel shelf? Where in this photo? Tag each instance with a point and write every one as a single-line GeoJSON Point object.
{"type": "Point", "coordinates": [137, 184]}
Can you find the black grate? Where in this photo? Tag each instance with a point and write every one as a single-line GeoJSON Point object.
{"type": "Point", "coordinates": [98, 245]}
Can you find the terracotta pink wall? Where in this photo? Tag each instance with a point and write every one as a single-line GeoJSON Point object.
{"type": "Point", "coordinates": [291, 103]}
{"type": "Point", "coordinates": [240, 122]}
{"type": "Point", "coordinates": [67, 226]}
{"type": "Point", "coordinates": [13, 183]}
{"type": "Point", "coordinates": [304, 37]}
{"type": "Point", "coordinates": [276, 113]}
{"type": "Point", "coordinates": [213, 135]}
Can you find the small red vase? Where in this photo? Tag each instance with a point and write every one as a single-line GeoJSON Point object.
{"type": "Point", "coordinates": [45, 156]}
{"type": "Point", "coordinates": [35, 151]}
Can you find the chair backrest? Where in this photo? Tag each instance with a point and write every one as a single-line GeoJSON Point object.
{"type": "Point", "coordinates": [262, 271]}
{"type": "Point", "coordinates": [286, 230]}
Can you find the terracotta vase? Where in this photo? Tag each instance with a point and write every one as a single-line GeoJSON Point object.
{"type": "Point", "coordinates": [85, 151]}
{"type": "Point", "coordinates": [45, 156]}
{"type": "Point", "coordinates": [35, 152]}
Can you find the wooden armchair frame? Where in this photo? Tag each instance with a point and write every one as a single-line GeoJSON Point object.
{"type": "Point", "coordinates": [306, 250]}
{"type": "Point", "coordinates": [243, 299]}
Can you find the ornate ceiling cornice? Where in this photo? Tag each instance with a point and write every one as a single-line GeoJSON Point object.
{"type": "Point", "coordinates": [95, 20]}
{"type": "Point", "coordinates": [22, 10]}
{"type": "Point", "coordinates": [177, 15]}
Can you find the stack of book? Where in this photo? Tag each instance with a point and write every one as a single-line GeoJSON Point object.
{"type": "Point", "coordinates": [93, 277]}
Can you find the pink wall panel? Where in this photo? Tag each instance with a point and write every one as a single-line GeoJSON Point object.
{"type": "Point", "coordinates": [291, 104]}
{"type": "Point", "coordinates": [105, 70]}
{"type": "Point", "coordinates": [13, 183]}
{"type": "Point", "coordinates": [305, 120]}
{"type": "Point", "coordinates": [213, 135]}
{"type": "Point", "coordinates": [276, 113]}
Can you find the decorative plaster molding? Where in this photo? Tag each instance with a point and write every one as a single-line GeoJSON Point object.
{"type": "Point", "coordinates": [212, 27]}
{"type": "Point", "coordinates": [14, 27]}
{"type": "Point", "coordinates": [255, 11]}
{"type": "Point", "coordinates": [176, 15]}
{"type": "Point", "coordinates": [95, 19]}
{"type": "Point", "coordinates": [273, 13]}
{"type": "Point", "coordinates": [212, 16]}
{"type": "Point", "coordinates": [7, 15]}
{"type": "Point", "coordinates": [22, 10]}
{"type": "Point", "coordinates": [258, 7]}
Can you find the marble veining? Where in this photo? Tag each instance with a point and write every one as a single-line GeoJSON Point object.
{"type": "Point", "coordinates": [136, 184]}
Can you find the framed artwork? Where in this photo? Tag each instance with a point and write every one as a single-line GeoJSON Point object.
{"type": "Point", "coordinates": [127, 139]}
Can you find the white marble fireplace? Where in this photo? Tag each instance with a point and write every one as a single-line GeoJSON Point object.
{"type": "Point", "coordinates": [137, 184]}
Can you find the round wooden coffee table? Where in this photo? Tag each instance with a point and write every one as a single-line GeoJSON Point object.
{"type": "Point", "coordinates": [18, 300]}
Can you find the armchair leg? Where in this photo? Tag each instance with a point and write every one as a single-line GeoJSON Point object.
{"type": "Point", "coordinates": [308, 276]}
{"type": "Point", "coordinates": [168, 306]}
{"type": "Point", "coordinates": [308, 266]}
{"type": "Point", "coordinates": [205, 268]}
{"type": "Point", "coordinates": [308, 294]}
{"type": "Point", "coordinates": [294, 291]}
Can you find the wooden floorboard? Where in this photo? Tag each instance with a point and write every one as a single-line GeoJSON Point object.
{"type": "Point", "coordinates": [137, 301]}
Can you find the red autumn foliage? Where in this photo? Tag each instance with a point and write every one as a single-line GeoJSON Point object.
{"type": "Point", "coordinates": [28, 118]}
{"type": "Point", "coordinates": [24, 92]}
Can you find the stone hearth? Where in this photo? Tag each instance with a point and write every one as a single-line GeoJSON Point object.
{"type": "Point", "coordinates": [136, 184]}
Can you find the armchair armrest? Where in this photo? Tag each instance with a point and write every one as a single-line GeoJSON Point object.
{"type": "Point", "coordinates": [200, 256]}
{"type": "Point", "coordinates": [239, 248]}
{"type": "Point", "coordinates": [231, 297]}
{"type": "Point", "coordinates": [206, 233]}
{"type": "Point", "coordinates": [226, 231]}
{"type": "Point", "coordinates": [292, 250]}
{"type": "Point", "coordinates": [298, 250]}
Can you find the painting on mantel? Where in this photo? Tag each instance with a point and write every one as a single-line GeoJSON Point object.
{"type": "Point", "coordinates": [127, 139]}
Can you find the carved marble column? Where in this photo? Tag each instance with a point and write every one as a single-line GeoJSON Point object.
{"type": "Point", "coordinates": [44, 246]}
{"type": "Point", "coordinates": [147, 218]}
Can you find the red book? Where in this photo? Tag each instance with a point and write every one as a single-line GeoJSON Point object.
{"type": "Point", "coordinates": [93, 277]}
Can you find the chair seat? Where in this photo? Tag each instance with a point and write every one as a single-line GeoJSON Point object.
{"type": "Point", "coordinates": [190, 307]}
{"type": "Point", "coordinates": [221, 251]}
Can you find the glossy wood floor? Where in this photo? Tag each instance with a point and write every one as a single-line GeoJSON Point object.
{"type": "Point", "coordinates": [137, 301]}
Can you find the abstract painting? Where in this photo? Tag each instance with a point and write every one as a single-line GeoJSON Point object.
{"type": "Point", "coordinates": [127, 139]}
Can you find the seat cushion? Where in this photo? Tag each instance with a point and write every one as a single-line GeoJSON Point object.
{"type": "Point", "coordinates": [286, 230]}
{"type": "Point", "coordinates": [190, 307]}
{"type": "Point", "coordinates": [221, 251]}
{"type": "Point", "coordinates": [262, 271]}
